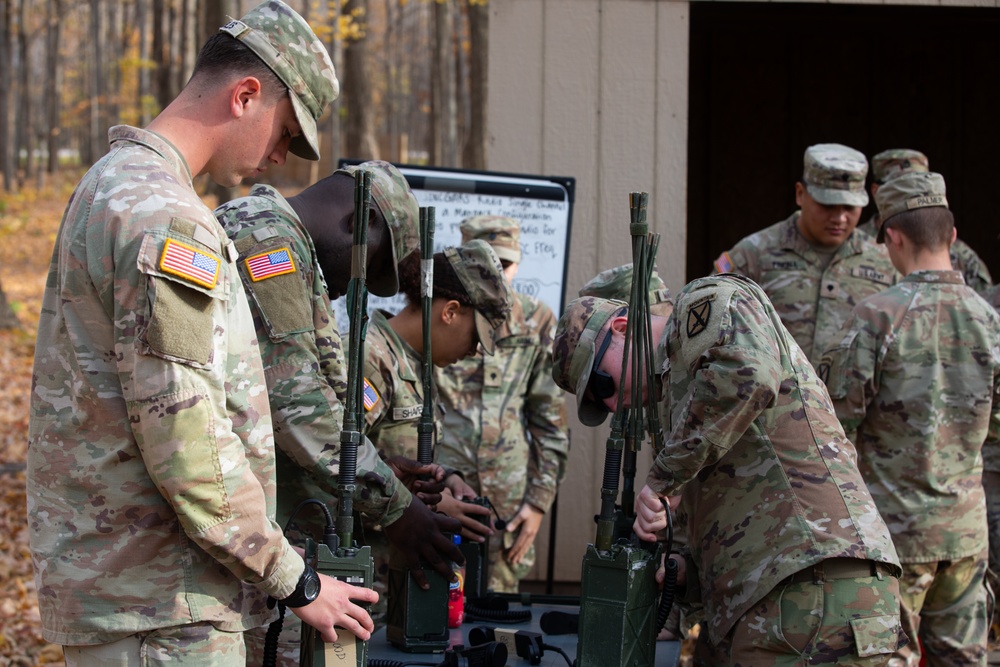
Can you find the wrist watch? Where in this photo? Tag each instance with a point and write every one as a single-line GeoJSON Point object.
{"type": "Point", "coordinates": [305, 591]}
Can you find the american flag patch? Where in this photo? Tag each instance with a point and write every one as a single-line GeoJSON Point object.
{"type": "Point", "coordinates": [724, 264]}
{"type": "Point", "coordinates": [187, 262]}
{"type": "Point", "coordinates": [371, 397]}
{"type": "Point", "coordinates": [269, 264]}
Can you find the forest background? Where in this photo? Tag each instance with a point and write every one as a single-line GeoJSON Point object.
{"type": "Point", "coordinates": [413, 90]}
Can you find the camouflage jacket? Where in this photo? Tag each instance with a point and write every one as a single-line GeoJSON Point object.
{"type": "Point", "coordinates": [303, 359]}
{"type": "Point", "coordinates": [395, 386]}
{"type": "Point", "coordinates": [916, 384]}
{"type": "Point", "coordinates": [151, 457]}
{"type": "Point", "coordinates": [963, 259]}
{"type": "Point", "coordinates": [769, 481]}
{"type": "Point", "coordinates": [505, 418]}
{"type": "Point", "coordinates": [812, 301]}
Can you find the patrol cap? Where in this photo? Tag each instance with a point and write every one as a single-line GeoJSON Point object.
{"type": "Point", "coordinates": [395, 201]}
{"type": "Point", "coordinates": [480, 273]}
{"type": "Point", "coordinates": [616, 283]}
{"type": "Point", "coordinates": [502, 233]}
{"type": "Point", "coordinates": [895, 161]}
{"type": "Point", "coordinates": [575, 348]}
{"type": "Point", "coordinates": [907, 192]}
{"type": "Point", "coordinates": [835, 174]}
{"type": "Point", "coordinates": [286, 44]}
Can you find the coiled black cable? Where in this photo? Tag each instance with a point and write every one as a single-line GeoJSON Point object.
{"type": "Point", "coordinates": [670, 574]}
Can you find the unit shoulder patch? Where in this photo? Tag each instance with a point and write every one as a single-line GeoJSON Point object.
{"type": "Point", "coordinates": [698, 315]}
{"type": "Point", "coordinates": [189, 263]}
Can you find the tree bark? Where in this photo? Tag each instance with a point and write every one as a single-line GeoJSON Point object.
{"type": "Point", "coordinates": [8, 320]}
{"type": "Point", "coordinates": [96, 80]}
{"type": "Point", "coordinates": [443, 86]}
{"type": "Point", "coordinates": [7, 96]}
{"type": "Point", "coordinates": [161, 52]}
{"type": "Point", "coordinates": [23, 122]}
{"type": "Point", "coordinates": [53, 76]}
{"type": "Point", "coordinates": [475, 146]}
{"type": "Point", "coordinates": [359, 139]}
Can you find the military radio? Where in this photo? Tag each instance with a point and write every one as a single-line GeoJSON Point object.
{"type": "Point", "coordinates": [617, 624]}
{"type": "Point", "coordinates": [417, 620]}
{"type": "Point", "coordinates": [338, 555]}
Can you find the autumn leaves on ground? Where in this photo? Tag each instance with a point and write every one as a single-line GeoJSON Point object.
{"type": "Point", "coordinates": [28, 224]}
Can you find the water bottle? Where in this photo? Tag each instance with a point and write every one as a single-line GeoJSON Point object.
{"type": "Point", "coordinates": [456, 593]}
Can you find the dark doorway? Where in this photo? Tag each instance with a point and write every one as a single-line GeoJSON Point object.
{"type": "Point", "coordinates": [769, 79]}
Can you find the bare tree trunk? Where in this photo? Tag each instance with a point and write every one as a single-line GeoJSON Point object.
{"type": "Point", "coordinates": [22, 123]}
{"type": "Point", "coordinates": [188, 46]}
{"type": "Point", "coordinates": [443, 85]}
{"type": "Point", "coordinates": [8, 320]}
{"type": "Point", "coordinates": [359, 141]}
{"type": "Point", "coordinates": [7, 96]}
{"type": "Point", "coordinates": [479, 30]}
{"type": "Point", "coordinates": [96, 79]}
{"type": "Point", "coordinates": [116, 47]}
{"type": "Point", "coordinates": [161, 52]}
{"type": "Point", "coordinates": [142, 19]}
{"type": "Point", "coordinates": [336, 54]}
{"type": "Point", "coordinates": [53, 76]}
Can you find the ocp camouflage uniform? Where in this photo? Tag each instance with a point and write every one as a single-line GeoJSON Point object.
{"type": "Point", "coordinates": [915, 383]}
{"type": "Point", "coordinates": [991, 488]}
{"type": "Point", "coordinates": [306, 375]}
{"type": "Point", "coordinates": [790, 554]}
{"type": "Point", "coordinates": [504, 426]}
{"type": "Point", "coordinates": [814, 299]}
{"type": "Point", "coordinates": [151, 457]}
{"type": "Point", "coordinates": [963, 259]}
{"type": "Point", "coordinates": [616, 283]}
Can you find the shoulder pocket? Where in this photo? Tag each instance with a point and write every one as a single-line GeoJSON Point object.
{"type": "Point", "coordinates": [278, 284]}
{"type": "Point", "coordinates": [186, 279]}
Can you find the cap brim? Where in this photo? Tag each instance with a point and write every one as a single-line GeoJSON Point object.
{"type": "Point", "coordinates": [507, 254]}
{"type": "Point", "coordinates": [831, 197]}
{"type": "Point", "coordinates": [306, 145]}
{"type": "Point", "coordinates": [486, 336]}
{"type": "Point", "coordinates": [589, 412]}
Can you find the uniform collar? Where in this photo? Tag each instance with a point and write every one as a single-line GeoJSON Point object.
{"type": "Point", "coordinates": [153, 142]}
{"type": "Point", "coordinates": [406, 355]}
{"type": "Point", "coordinates": [928, 276]}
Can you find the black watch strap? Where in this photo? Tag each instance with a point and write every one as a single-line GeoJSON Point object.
{"type": "Point", "coordinates": [306, 590]}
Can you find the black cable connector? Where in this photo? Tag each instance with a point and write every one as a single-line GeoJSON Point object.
{"type": "Point", "coordinates": [523, 643]}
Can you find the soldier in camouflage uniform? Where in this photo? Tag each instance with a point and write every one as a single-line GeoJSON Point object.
{"type": "Point", "coordinates": [471, 300]}
{"type": "Point", "coordinates": [895, 161]}
{"type": "Point", "coordinates": [616, 283]}
{"type": "Point", "coordinates": [304, 364]}
{"type": "Point", "coordinates": [915, 383]}
{"type": "Point", "coordinates": [151, 492]}
{"type": "Point", "coordinates": [787, 551]}
{"type": "Point", "coordinates": [814, 266]}
{"type": "Point", "coordinates": [504, 423]}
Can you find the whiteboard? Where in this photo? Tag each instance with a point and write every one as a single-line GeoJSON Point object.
{"type": "Point", "coordinates": [542, 204]}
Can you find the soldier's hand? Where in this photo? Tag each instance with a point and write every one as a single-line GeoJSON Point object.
{"type": "Point", "coordinates": [458, 487]}
{"type": "Point", "coordinates": [472, 527]}
{"type": "Point", "coordinates": [419, 534]}
{"type": "Point", "coordinates": [334, 607]}
{"type": "Point", "coordinates": [650, 517]}
{"type": "Point", "coordinates": [528, 519]}
{"type": "Point", "coordinates": [410, 473]}
{"type": "Point", "coordinates": [661, 574]}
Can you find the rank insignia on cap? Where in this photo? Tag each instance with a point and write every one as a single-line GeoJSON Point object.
{"type": "Point", "coordinates": [698, 315]}
{"type": "Point", "coordinates": [724, 264]}
{"type": "Point", "coordinates": [270, 264]}
{"type": "Point", "coordinates": [189, 263]}
{"type": "Point", "coordinates": [371, 397]}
